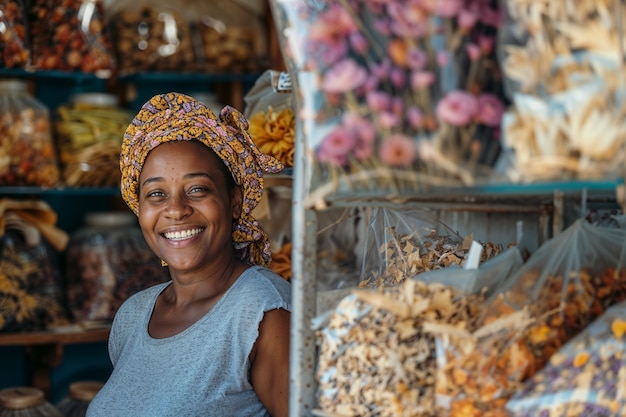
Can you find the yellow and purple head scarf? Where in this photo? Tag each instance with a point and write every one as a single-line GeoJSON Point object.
{"type": "Point", "coordinates": [175, 116]}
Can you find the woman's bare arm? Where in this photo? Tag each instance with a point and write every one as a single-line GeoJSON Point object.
{"type": "Point", "coordinates": [270, 362]}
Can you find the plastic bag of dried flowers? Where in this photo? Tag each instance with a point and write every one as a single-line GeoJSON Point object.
{"type": "Point", "coordinates": [563, 66]}
{"type": "Point", "coordinates": [270, 111]}
{"type": "Point", "coordinates": [395, 95]}
{"type": "Point", "coordinates": [586, 377]}
{"type": "Point", "coordinates": [378, 347]}
{"type": "Point", "coordinates": [566, 284]}
{"type": "Point", "coordinates": [401, 244]}
{"type": "Point", "coordinates": [376, 355]}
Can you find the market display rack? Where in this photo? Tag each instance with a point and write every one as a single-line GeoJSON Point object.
{"type": "Point", "coordinates": [547, 200]}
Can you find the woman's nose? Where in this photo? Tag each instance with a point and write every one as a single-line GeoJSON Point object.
{"type": "Point", "coordinates": [177, 206]}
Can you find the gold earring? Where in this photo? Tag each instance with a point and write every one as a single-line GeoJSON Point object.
{"type": "Point", "coordinates": [163, 263]}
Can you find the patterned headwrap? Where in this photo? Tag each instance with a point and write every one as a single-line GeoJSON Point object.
{"type": "Point", "coordinates": [175, 116]}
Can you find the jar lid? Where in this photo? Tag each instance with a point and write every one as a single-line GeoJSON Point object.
{"type": "Point", "coordinates": [110, 219]}
{"type": "Point", "coordinates": [21, 397]}
{"type": "Point", "coordinates": [13, 85]}
{"type": "Point", "coordinates": [95, 99]}
{"type": "Point", "coordinates": [84, 390]}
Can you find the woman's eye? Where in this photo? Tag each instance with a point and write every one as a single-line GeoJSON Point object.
{"type": "Point", "coordinates": [155, 194]}
{"type": "Point", "coordinates": [198, 189]}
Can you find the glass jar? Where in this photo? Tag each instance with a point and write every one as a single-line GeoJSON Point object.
{"type": "Point", "coordinates": [107, 261]}
{"type": "Point", "coordinates": [89, 134]}
{"type": "Point", "coordinates": [14, 46]}
{"type": "Point", "coordinates": [27, 152]}
{"type": "Point", "coordinates": [151, 36]}
{"type": "Point", "coordinates": [26, 401]}
{"type": "Point", "coordinates": [70, 35]}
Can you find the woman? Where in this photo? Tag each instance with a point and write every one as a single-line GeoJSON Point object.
{"type": "Point", "coordinates": [214, 341]}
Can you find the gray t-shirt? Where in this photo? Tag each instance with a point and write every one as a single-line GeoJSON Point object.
{"type": "Point", "coordinates": [202, 371]}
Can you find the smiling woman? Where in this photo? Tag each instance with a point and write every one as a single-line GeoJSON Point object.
{"type": "Point", "coordinates": [215, 339]}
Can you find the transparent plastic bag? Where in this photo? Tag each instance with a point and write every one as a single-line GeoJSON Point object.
{"type": "Point", "coordinates": [27, 150]}
{"type": "Point", "coordinates": [585, 377]}
{"type": "Point", "coordinates": [563, 70]}
{"type": "Point", "coordinates": [400, 244]}
{"type": "Point", "coordinates": [377, 350]}
{"type": "Point", "coordinates": [229, 36]}
{"type": "Point", "coordinates": [70, 35]}
{"type": "Point", "coordinates": [14, 44]}
{"type": "Point", "coordinates": [395, 97]}
{"type": "Point", "coordinates": [151, 36]}
{"type": "Point", "coordinates": [565, 285]}
{"type": "Point", "coordinates": [31, 295]}
{"type": "Point", "coordinates": [107, 261]}
{"type": "Point", "coordinates": [487, 278]}
{"type": "Point", "coordinates": [89, 135]}
{"type": "Point", "coordinates": [271, 114]}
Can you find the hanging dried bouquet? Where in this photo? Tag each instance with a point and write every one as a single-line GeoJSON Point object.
{"type": "Point", "coordinates": [394, 95]}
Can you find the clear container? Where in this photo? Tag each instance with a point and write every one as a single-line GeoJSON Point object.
{"type": "Point", "coordinates": [151, 36]}
{"type": "Point", "coordinates": [70, 35]}
{"type": "Point", "coordinates": [78, 398]}
{"type": "Point", "coordinates": [107, 261]}
{"type": "Point", "coordinates": [89, 135]}
{"type": "Point", "coordinates": [27, 151]}
{"type": "Point", "coordinates": [25, 402]}
{"type": "Point", "coordinates": [14, 46]}
{"type": "Point", "coordinates": [31, 295]}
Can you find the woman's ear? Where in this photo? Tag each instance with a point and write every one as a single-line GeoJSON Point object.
{"type": "Point", "coordinates": [236, 201]}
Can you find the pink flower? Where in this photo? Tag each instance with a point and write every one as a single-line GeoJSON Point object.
{"type": "Point", "coordinates": [443, 58]}
{"type": "Point", "coordinates": [490, 110]}
{"type": "Point", "coordinates": [415, 117]}
{"type": "Point", "coordinates": [344, 76]}
{"type": "Point", "coordinates": [388, 120]}
{"type": "Point", "coordinates": [422, 79]}
{"type": "Point", "coordinates": [486, 44]}
{"type": "Point", "coordinates": [326, 40]}
{"type": "Point", "coordinates": [358, 42]}
{"type": "Point", "coordinates": [397, 77]}
{"type": "Point", "coordinates": [473, 51]}
{"type": "Point", "coordinates": [377, 101]}
{"type": "Point", "coordinates": [417, 59]}
{"type": "Point", "coordinates": [444, 8]}
{"type": "Point", "coordinates": [332, 24]}
{"type": "Point", "coordinates": [336, 146]}
{"type": "Point", "coordinates": [364, 132]}
{"type": "Point", "coordinates": [490, 16]}
{"type": "Point", "coordinates": [408, 19]}
{"type": "Point", "coordinates": [467, 19]}
{"type": "Point", "coordinates": [457, 108]}
{"type": "Point", "coordinates": [381, 70]}
{"type": "Point", "coordinates": [398, 151]}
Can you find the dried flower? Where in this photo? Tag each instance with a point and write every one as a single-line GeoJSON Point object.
{"type": "Point", "coordinates": [457, 108]}
{"type": "Point", "coordinates": [490, 109]}
{"type": "Point", "coordinates": [398, 151]}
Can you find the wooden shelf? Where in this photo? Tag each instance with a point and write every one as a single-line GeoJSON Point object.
{"type": "Point", "coordinates": [45, 348]}
{"type": "Point", "coordinates": [54, 337]}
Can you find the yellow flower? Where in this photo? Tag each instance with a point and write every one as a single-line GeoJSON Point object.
{"type": "Point", "coordinates": [274, 133]}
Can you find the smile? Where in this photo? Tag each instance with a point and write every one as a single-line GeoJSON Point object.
{"type": "Point", "coordinates": [182, 235]}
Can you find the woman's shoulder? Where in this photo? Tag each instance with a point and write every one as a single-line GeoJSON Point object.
{"type": "Point", "coordinates": [263, 283]}
{"type": "Point", "coordinates": [258, 276]}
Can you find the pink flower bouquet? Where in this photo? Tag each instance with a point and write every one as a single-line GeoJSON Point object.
{"type": "Point", "coordinates": [394, 94]}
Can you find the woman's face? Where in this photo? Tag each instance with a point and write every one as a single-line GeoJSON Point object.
{"type": "Point", "coordinates": [185, 207]}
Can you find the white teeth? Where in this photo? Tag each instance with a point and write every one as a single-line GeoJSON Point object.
{"type": "Point", "coordinates": [182, 235]}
